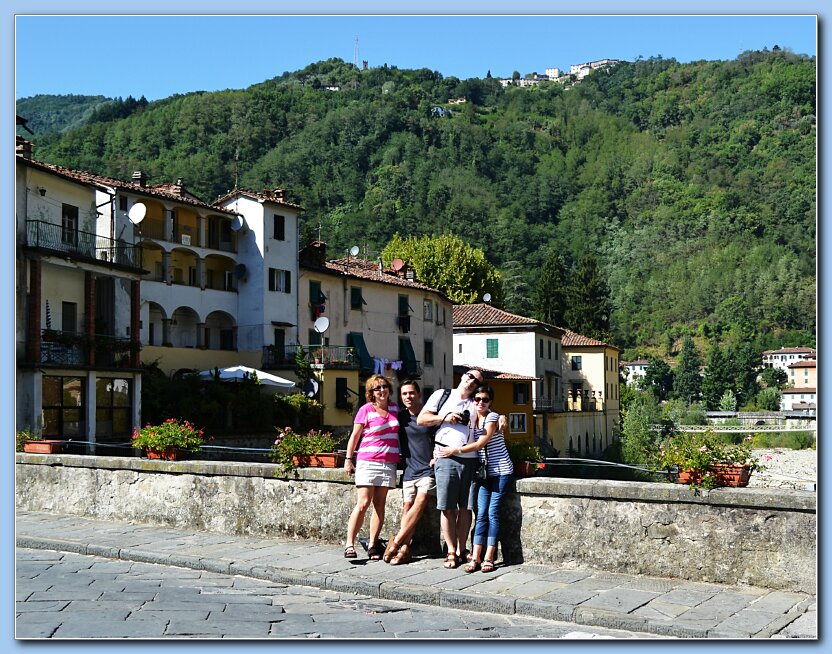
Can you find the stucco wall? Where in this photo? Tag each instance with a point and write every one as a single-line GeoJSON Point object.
{"type": "Point", "coordinates": [761, 537]}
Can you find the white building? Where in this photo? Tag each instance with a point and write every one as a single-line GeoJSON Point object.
{"type": "Point", "coordinates": [799, 399]}
{"type": "Point", "coordinates": [786, 356]}
{"type": "Point", "coordinates": [634, 370]}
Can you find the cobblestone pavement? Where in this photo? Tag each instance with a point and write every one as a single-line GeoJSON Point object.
{"type": "Point", "coordinates": [786, 468]}
{"type": "Point", "coordinates": [649, 605]}
{"type": "Point", "coordinates": [64, 595]}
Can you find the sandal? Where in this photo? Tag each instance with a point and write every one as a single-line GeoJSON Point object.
{"type": "Point", "coordinates": [487, 566]}
{"type": "Point", "coordinates": [465, 555]}
{"type": "Point", "coordinates": [402, 557]}
{"type": "Point", "coordinates": [390, 552]}
{"type": "Point", "coordinates": [451, 561]}
{"type": "Point", "coordinates": [373, 553]}
{"type": "Point", "coordinates": [349, 552]}
{"type": "Point", "coordinates": [473, 566]}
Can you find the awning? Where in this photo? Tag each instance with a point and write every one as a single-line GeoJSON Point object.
{"type": "Point", "coordinates": [236, 373]}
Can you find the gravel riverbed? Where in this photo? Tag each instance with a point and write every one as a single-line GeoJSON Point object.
{"type": "Point", "coordinates": [785, 468]}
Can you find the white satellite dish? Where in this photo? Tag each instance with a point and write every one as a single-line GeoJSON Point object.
{"type": "Point", "coordinates": [137, 213]}
{"type": "Point", "coordinates": [354, 250]}
{"type": "Point", "coordinates": [237, 223]}
{"type": "Point", "coordinates": [487, 297]}
{"type": "Point", "coordinates": [321, 324]}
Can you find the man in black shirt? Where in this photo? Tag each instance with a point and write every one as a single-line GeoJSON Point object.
{"type": "Point", "coordinates": [416, 444]}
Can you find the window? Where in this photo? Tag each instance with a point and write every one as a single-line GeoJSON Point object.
{"type": "Point", "coordinates": [122, 202]}
{"type": "Point", "coordinates": [491, 348]}
{"type": "Point", "coordinates": [113, 410]}
{"type": "Point", "coordinates": [315, 337]}
{"type": "Point", "coordinates": [540, 354]}
{"type": "Point", "coordinates": [521, 393]}
{"type": "Point", "coordinates": [69, 317]}
{"type": "Point", "coordinates": [342, 396]}
{"type": "Point", "coordinates": [428, 353]}
{"type": "Point", "coordinates": [356, 298]}
{"type": "Point", "coordinates": [279, 228]}
{"type": "Point", "coordinates": [63, 406]}
{"type": "Point", "coordinates": [69, 225]}
{"type": "Point", "coordinates": [280, 343]}
{"type": "Point", "coordinates": [550, 349]}
{"type": "Point", "coordinates": [280, 280]}
{"type": "Point", "coordinates": [428, 310]}
{"type": "Point", "coordinates": [576, 363]}
{"type": "Point", "coordinates": [517, 423]}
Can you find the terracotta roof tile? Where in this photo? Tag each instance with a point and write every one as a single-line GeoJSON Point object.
{"type": "Point", "coordinates": [363, 269]}
{"type": "Point", "coordinates": [806, 363]}
{"type": "Point", "coordinates": [165, 191]}
{"type": "Point", "coordinates": [485, 315]}
{"type": "Point", "coordinates": [795, 391]}
{"type": "Point", "coordinates": [265, 195]}
{"type": "Point", "coordinates": [571, 339]}
{"type": "Point", "coordinates": [792, 350]}
{"type": "Point", "coordinates": [487, 374]}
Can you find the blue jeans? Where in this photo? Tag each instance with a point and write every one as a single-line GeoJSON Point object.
{"type": "Point", "coordinates": [489, 498]}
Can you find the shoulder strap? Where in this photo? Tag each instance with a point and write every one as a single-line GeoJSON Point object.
{"type": "Point", "coordinates": [446, 393]}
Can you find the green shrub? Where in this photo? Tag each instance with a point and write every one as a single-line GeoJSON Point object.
{"type": "Point", "coordinates": [297, 410]}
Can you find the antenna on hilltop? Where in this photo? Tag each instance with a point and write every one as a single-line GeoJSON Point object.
{"type": "Point", "coordinates": [355, 52]}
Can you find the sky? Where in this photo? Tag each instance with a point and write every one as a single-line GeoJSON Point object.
{"type": "Point", "coordinates": [149, 57]}
{"type": "Point", "coordinates": [121, 57]}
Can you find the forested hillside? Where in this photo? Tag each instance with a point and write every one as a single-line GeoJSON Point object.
{"type": "Point", "coordinates": [58, 113]}
{"type": "Point", "coordinates": [693, 185]}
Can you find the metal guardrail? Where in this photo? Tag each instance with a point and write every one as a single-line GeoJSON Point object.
{"type": "Point", "coordinates": [84, 245]}
{"type": "Point", "coordinates": [733, 429]}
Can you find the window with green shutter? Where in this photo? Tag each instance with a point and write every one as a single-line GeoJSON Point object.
{"type": "Point", "coordinates": [491, 348]}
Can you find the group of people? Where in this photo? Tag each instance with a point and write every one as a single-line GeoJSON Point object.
{"type": "Point", "coordinates": [442, 443]}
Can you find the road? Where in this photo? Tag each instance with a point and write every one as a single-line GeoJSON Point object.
{"type": "Point", "coordinates": [71, 596]}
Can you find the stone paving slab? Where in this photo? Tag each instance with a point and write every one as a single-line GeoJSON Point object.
{"type": "Point", "coordinates": [659, 606]}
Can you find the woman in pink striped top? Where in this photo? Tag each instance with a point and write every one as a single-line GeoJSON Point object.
{"type": "Point", "coordinates": [376, 426]}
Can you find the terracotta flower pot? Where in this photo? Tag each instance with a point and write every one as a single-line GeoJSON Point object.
{"type": "Point", "coordinates": [525, 468]}
{"type": "Point", "coordinates": [724, 475]}
{"type": "Point", "coordinates": [167, 454]}
{"type": "Point", "coordinates": [42, 447]}
{"type": "Point", "coordinates": [320, 460]}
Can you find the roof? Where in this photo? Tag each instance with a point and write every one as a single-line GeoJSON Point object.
{"type": "Point", "coordinates": [369, 271]}
{"type": "Point", "coordinates": [637, 362]}
{"type": "Point", "coordinates": [173, 192]}
{"type": "Point", "coordinates": [485, 315]}
{"type": "Point", "coordinates": [791, 350]}
{"type": "Point", "coordinates": [493, 374]}
{"type": "Point", "coordinates": [266, 195]}
{"type": "Point", "coordinates": [806, 363]}
{"type": "Point", "coordinates": [795, 391]}
{"type": "Point", "coordinates": [571, 339]}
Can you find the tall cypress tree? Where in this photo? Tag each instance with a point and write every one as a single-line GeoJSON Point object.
{"type": "Point", "coordinates": [719, 377]}
{"type": "Point", "coordinates": [551, 293]}
{"type": "Point", "coordinates": [687, 382]}
{"type": "Point", "coordinates": [588, 308]}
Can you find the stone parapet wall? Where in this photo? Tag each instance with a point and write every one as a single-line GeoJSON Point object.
{"type": "Point", "coordinates": [757, 536]}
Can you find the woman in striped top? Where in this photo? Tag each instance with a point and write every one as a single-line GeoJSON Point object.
{"type": "Point", "coordinates": [492, 490]}
{"type": "Point", "coordinates": [375, 434]}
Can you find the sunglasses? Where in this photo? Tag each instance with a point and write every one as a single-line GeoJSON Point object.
{"type": "Point", "coordinates": [381, 388]}
{"type": "Point", "coordinates": [473, 376]}
{"type": "Point", "coordinates": [481, 399]}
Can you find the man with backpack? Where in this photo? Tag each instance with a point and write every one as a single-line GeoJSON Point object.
{"type": "Point", "coordinates": [455, 475]}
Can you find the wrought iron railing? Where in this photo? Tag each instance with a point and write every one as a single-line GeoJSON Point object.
{"type": "Point", "coordinates": [334, 356]}
{"type": "Point", "coordinates": [71, 348]}
{"type": "Point", "coordinates": [84, 245]}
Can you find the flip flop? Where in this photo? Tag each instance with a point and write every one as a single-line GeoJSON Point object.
{"type": "Point", "coordinates": [349, 552]}
{"type": "Point", "coordinates": [374, 553]}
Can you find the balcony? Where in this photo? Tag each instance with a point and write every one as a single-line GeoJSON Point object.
{"type": "Point", "coordinates": [547, 405]}
{"type": "Point", "coordinates": [60, 348]}
{"type": "Point", "coordinates": [81, 245]}
{"type": "Point", "coordinates": [330, 356]}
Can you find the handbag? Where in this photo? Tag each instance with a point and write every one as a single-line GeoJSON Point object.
{"type": "Point", "coordinates": [482, 466]}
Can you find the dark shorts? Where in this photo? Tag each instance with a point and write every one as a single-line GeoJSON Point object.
{"type": "Point", "coordinates": [455, 488]}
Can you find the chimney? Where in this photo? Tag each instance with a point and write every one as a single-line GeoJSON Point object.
{"type": "Point", "coordinates": [23, 148]}
{"type": "Point", "coordinates": [140, 178]}
{"type": "Point", "coordinates": [278, 194]}
{"type": "Point", "coordinates": [313, 255]}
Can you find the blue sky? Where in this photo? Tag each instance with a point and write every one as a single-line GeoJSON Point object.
{"type": "Point", "coordinates": [147, 55]}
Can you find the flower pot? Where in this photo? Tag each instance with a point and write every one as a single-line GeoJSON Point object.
{"type": "Point", "coordinates": [525, 468]}
{"type": "Point", "coordinates": [167, 454]}
{"type": "Point", "coordinates": [320, 460]}
{"type": "Point", "coordinates": [723, 474]}
{"type": "Point", "coordinates": [42, 447]}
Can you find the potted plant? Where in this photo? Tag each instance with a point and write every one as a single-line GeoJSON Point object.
{"type": "Point", "coordinates": [703, 461]}
{"type": "Point", "coordinates": [525, 456]}
{"type": "Point", "coordinates": [33, 442]}
{"type": "Point", "coordinates": [313, 449]}
{"type": "Point", "coordinates": [170, 440]}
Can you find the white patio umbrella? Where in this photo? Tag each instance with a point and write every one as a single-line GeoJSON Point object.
{"type": "Point", "coordinates": [236, 373]}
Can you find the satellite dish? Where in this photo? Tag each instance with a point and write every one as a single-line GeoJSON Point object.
{"type": "Point", "coordinates": [354, 250]}
{"type": "Point", "coordinates": [137, 213]}
{"type": "Point", "coordinates": [240, 271]}
{"type": "Point", "coordinates": [397, 264]}
{"type": "Point", "coordinates": [321, 324]}
{"type": "Point", "coordinates": [487, 297]}
{"type": "Point", "coordinates": [237, 223]}
{"type": "Point", "coordinates": [310, 388]}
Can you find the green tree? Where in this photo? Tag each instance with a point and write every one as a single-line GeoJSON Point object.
{"type": "Point", "coordinates": [449, 265]}
{"type": "Point", "coordinates": [769, 399]}
{"type": "Point", "coordinates": [551, 293]}
{"type": "Point", "coordinates": [728, 402]}
{"type": "Point", "coordinates": [719, 377]}
{"type": "Point", "coordinates": [637, 441]}
{"type": "Point", "coordinates": [687, 379]}
{"type": "Point", "coordinates": [774, 377]}
{"type": "Point", "coordinates": [588, 302]}
{"type": "Point", "coordinates": [658, 378]}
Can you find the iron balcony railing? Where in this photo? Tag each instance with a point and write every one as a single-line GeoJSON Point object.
{"type": "Point", "coordinates": [71, 348]}
{"type": "Point", "coordinates": [332, 356]}
{"type": "Point", "coordinates": [83, 245]}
